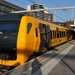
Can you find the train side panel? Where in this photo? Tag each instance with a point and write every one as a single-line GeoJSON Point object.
{"type": "Point", "coordinates": [28, 45]}
{"type": "Point", "coordinates": [56, 39]}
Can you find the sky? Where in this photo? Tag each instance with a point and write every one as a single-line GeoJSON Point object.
{"type": "Point", "coordinates": [61, 15]}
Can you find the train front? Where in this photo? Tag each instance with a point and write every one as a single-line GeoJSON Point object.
{"type": "Point", "coordinates": [9, 27]}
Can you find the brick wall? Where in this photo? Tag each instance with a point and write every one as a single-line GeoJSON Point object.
{"type": "Point", "coordinates": [68, 23]}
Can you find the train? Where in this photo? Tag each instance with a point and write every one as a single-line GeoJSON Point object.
{"type": "Point", "coordinates": [22, 35]}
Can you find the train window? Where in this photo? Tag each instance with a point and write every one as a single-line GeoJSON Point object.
{"type": "Point", "coordinates": [9, 27]}
{"type": "Point", "coordinates": [60, 34]}
{"type": "Point", "coordinates": [43, 31]}
{"type": "Point", "coordinates": [57, 29]}
{"type": "Point", "coordinates": [64, 34]}
{"type": "Point", "coordinates": [29, 27]}
{"type": "Point", "coordinates": [48, 28]}
{"type": "Point", "coordinates": [42, 28]}
{"type": "Point", "coordinates": [36, 31]}
{"type": "Point", "coordinates": [55, 33]}
{"type": "Point", "coordinates": [51, 33]}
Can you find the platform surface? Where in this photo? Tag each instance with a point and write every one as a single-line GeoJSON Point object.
{"type": "Point", "coordinates": [59, 61]}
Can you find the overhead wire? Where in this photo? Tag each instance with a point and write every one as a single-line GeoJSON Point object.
{"type": "Point", "coordinates": [50, 12]}
{"type": "Point", "coordinates": [63, 10]}
{"type": "Point", "coordinates": [31, 1]}
{"type": "Point", "coordinates": [58, 16]}
{"type": "Point", "coordinates": [21, 2]}
{"type": "Point", "coordinates": [34, 3]}
{"type": "Point", "coordinates": [53, 2]}
{"type": "Point", "coordinates": [54, 14]}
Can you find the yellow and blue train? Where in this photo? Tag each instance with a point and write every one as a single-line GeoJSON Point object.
{"type": "Point", "coordinates": [22, 35]}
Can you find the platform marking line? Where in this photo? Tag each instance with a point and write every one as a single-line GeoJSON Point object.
{"type": "Point", "coordinates": [24, 73]}
{"type": "Point", "coordinates": [30, 68]}
{"type": "Point", "coordinates": [43, 60]}
{"type": "Point", "coordinates": [44, 70]}
{"type": "Point", "coordinates": [38, 71]}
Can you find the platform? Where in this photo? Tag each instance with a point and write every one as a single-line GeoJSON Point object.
{"type": "Point", "coordinates": [59, 61]}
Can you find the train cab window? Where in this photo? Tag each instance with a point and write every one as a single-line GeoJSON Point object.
{"type": "Point", "coordinates": [29, 27]}
{"type": "Point", "coordinates": [9, 27]}
{"type": "Point", "coordinates": [36, 31]}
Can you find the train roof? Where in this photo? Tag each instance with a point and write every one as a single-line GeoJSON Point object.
{"type": "Point", "coordinates": [59, 26]}
{"type": "Point", "coordinates": [18, 16]}
{"type": "Point", "coordinates": [11, 17]}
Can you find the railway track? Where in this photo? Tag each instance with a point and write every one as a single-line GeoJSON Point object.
{"type": "Point", "coordinates": [4, 69]}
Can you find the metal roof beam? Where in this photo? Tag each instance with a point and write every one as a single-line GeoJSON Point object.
{"type": "Point", "coordinates": [46, 9]}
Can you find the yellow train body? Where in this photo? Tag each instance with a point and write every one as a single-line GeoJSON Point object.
{"type": "Point", "coordinates": [29, 38]}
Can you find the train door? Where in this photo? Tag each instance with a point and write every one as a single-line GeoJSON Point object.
{"type": "Point", "coordinates": [48, 35]}
{"type": "Point", "coordinates": [43, 36]}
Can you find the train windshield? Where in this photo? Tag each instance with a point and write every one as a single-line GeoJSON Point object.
{"type": "Point", "coordinates": [9, 27]}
